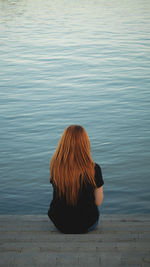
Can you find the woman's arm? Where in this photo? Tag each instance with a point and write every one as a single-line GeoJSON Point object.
{"type": "Point", "coordinates": [98, 193]}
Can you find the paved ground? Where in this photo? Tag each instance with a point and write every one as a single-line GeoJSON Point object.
{"type": "Point", "coordinates": [33, 241]}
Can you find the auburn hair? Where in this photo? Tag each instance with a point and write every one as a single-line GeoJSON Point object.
{"type": "Point", "coordinates": [72, 164]}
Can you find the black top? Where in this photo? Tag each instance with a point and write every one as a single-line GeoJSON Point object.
{"type": "Point", "coordinates": [76, 219]}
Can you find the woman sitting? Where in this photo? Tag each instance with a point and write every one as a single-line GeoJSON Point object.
{"type": "Point", "coordinates": [77, 184]}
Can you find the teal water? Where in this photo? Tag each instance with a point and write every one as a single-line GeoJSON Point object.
{"type": "Point", "coordinates": [74, 62]}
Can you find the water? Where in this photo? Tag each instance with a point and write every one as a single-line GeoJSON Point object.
{"type": "Point", "coordinates": [84, 62]}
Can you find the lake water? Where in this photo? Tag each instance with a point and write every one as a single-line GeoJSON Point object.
{"type": "Point", "coordinates": [68, 62]}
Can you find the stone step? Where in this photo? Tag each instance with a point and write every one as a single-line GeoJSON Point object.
{"type": "Point", "coordinates": [46, 236]}
{"type": "Point", "coordinates": [96, 246]}
{"type": "Point", "coordinates": [96, 259]}
{"type": "Point", "coordinates": [32, 240]}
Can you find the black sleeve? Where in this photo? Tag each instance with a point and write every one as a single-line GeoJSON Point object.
{"type": "Point", "coordinates": [98, 176]}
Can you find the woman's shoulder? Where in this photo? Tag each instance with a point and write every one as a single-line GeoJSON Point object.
{"type": "Point", "coordinates": [97, 167]}
{"type": "Point", "coordinates": [98, 175]}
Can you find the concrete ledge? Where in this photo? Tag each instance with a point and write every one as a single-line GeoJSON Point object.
{"type": "Point", "coordinates": [32, 240]}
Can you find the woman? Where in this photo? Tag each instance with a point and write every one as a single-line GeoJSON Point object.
{"type": "Point", "coordinates": [77, 184]}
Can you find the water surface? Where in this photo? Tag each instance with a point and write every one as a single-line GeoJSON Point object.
{"type": "Point", "coordinates": [74, 62]}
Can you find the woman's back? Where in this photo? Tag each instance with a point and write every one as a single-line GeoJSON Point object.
{"type": "Point", "coordinates": [78, 218]}
{"type": "Point", "coordinates": [75, 179]}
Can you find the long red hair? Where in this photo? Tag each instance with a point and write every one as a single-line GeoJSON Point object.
{"type": "Point", "coordinates": [72, 164]}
